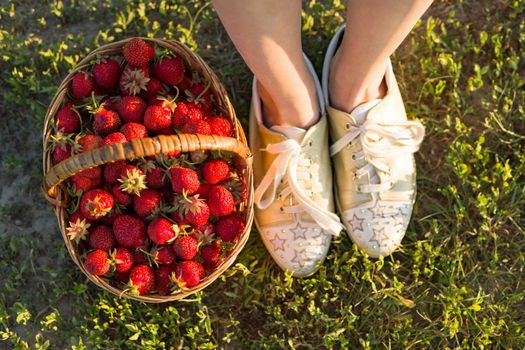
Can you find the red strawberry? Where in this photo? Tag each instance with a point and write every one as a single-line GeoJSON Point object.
{"type": "Point", "coordinates": [211, 254]}
{"type": "Point", "coordinates": [129, 231]}
{"type": "Point", "coordinates": [163, 282]}
{"type": "Point", "coordinates": [90, 142]}
{"type": "Point", "coordinates": [160, 231]}
{"type": "Point", "coordinates": [157, 117]}
{"type": "Point", "coordinates": [106, 121]}
{"type": "Point", "coordinates": [81, 183]}
{"type": "Point", "coordinates": [107, 73]}
{"type": "Point", "coordinates": [220, 201]}
{"type": "Point", "coordinates": [114, 137]}
{"type": "Point", "coordinates": [186, 247]}
{"type": "Point", "coordinates": [193, 209]}
{"type": "Point", "coordinates": [134, 80]}
{"type": "Point", "coordinates": [185, 112]}
{"type": "Point", "coordinates": [134, 131]}
{"type": "Point", "coordinates": [151, 52]}
{"type": "Point", "coordinates": [220, 126]}
{"type": "Point", "coordinates": [185, 84]}
{"type": "Point", "coordinates": [137, 52]}
{"type": "Point", "coordinates": [155, 178]}
{"type": "Point", "coordinates": [132, 179]}
{"type": "Point", "coordinates": [131, 109]}
{"type": "Point", "coordinates": [170, 70]}
{"type": "Point", "coordinates": [78, 226]}
{"type": "Point", "coordinates": [97, 262]}
{"type": "Point", "coordinates": [237, 188]}
{"type": "Point", "coordinates": [200, 215]}
{"type": "Point", "coordinates": [77, 216]}
{"type": "Point", "coordinates": [110, 102]}
{"type": "Point", "coordinates": [197, 127]}
{"type": "Point", "coordinates": [142, 279]}
{"type": "Point", "coordinates": [229, 227]}
{"type": "Point", "coordinates": [123, 259]}
{"type": "Point", "coordinates": [178, 218]}
{"type": "Point", "coordinates": [101, 237]}
{"type": "Point", "coordinates": [184, 179]}
{"type": "Point", "coordinates": [140, 257]}
{"type": "Point", "coordinates": [67, 119]}
{"type": "Point", "coordinates": [205, 233]}
{"type": "Point", "coordinates": [93, 173]}
{"type": "Point", "coordinates": [81, 85]}
{"type": "Point", "coordinates": [87, 179]}
{"type": "Point", "coordinates": [109, 217]}
{"type": "Point", "coordinates": [173, 155]}
{"type": "Point", "coordinates": [189, 273]}
{"type": "Point", "coordinates": [122, 198]}
{"type": "Point", "coordinates": [148, 203]}
{"type": "Point", "coordinates": [198, 90]}
{"type": "Point", "coordinates": [113, 171]}
{"type": "Point", "coordinates": [96, 203]}
{"type": "Point", "coordinates": [200, 93]}
{"type": "Point", "coordinates": [153, 88]}
{"type": "Point", "coordinates": [156, 100]}
{"type": "Point", "coordinates": [164, 255]}
{"type": "Point", "coordinates": [215, 171]}
{"type": "Point", "coordinates": [61, 152]}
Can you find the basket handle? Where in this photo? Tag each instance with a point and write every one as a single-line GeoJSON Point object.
{"type": "Point", "coordinates": [139, 147]}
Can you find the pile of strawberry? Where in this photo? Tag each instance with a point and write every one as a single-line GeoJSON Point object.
{"type": "Point", "coordinates": [159, 224]}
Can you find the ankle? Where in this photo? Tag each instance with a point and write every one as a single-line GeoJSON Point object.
{"type": "Point", "coordinates": [351, 86]}
{"type": "Point", "coordinates": [298, 109]}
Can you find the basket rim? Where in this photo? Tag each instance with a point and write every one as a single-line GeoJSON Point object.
{"type": "Point", "coordinates": [58, 197]}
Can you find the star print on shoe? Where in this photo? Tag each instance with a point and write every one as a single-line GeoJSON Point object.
{"type": "Point", "coordinates": [379, 227]}
{"type": "Point", "coordinates": [293, 198]}
{"type": "Point", "coordinates": [373, 156]}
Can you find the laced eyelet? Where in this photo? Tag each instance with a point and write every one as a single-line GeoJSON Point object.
{"type": "Point", "coordinates": [353, 156]}
{"type": "Point", "coordinates": [281, 209]}
{"type": "Point", "coordinates": [347, 126]}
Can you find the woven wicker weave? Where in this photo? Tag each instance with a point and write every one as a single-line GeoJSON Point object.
{"type": "Point", "coordinates": [54, 189]}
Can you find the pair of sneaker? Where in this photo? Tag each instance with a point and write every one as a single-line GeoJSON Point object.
{"type": "Point", "coordinates": [363, 159]}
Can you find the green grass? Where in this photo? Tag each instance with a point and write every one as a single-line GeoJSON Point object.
{"type": "Point", "coordinates": [457, 282]}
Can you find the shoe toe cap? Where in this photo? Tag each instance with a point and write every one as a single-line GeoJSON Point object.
{"type": "Point", "coordinates": [378, 230]}
{"type": "Point", "coordinates": [297, 250]}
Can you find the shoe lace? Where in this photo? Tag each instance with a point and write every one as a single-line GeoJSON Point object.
{"type": "Point", "coordinates": [287, 171]}
{"type": "Point", "coordinates": [380, 142]}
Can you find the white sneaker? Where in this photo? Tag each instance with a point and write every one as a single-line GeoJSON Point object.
{"type": "Point", "coordinates": [294, 209]}
{"type": "Point", "coordinates": [374, 165]}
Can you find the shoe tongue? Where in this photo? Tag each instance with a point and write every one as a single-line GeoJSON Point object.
{"type": "Point", "coordinates": [359, 113]}
{"type": "Point", "coordinates": [290, 132]}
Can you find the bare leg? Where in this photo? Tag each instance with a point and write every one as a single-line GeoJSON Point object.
{"type": "Point", "coordinates": [267, 34]}
{"type": "Point", "coordinates": [374, 29]}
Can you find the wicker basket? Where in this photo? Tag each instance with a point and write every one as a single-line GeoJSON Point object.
{"type": "Point", "coordinates": [54, 189]}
